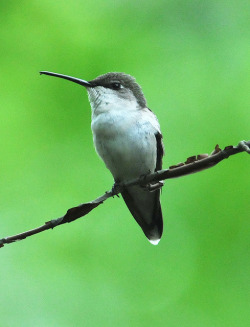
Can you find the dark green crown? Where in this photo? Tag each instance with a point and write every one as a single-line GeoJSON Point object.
{"type": "Point", "coordinates": [126, 81]}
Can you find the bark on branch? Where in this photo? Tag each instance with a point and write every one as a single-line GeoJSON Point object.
{"type": "Point", "coordinates": [192, 165]}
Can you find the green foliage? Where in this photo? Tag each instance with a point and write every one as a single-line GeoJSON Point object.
{"type": "Point", "coordinates": [192, 61]}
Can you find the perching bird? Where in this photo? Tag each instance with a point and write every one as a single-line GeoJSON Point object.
{"type": "Point", "coordinates": [127, 137]}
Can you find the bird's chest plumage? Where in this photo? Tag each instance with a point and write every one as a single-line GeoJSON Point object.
{"type": "Point", "coordinates": [126, 143]}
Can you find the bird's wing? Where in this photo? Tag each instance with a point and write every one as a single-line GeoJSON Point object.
{"type": "Point", "coordinates": [160, 151]}
{"type": "Point", "coordinates": [145, 206]}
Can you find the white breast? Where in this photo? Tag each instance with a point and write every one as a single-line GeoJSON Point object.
{"type": "Point", "coordinates": [123, 133]}
{"type": "Point", "coordinates": [126, 142]}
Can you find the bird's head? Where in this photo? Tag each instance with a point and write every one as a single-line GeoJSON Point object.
{"type": "Point", "coordinates": [111, 90]}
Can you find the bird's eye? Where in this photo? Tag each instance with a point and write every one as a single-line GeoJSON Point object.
{"type": "Point", "coordinates": [116, 86]}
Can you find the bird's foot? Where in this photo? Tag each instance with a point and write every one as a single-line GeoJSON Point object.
{"type": "Point", "coordinates": [116, 189]}
{"type": "Point", "coordinates": [151, 187]}
{"type": "Point", "coordinates": [244, 146]}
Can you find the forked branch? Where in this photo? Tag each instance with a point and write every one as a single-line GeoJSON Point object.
{"type": "Point", "coordinates": [192, 165]}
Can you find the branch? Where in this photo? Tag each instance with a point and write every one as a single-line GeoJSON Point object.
{"type": "Point", "coordinates": [192, 165]}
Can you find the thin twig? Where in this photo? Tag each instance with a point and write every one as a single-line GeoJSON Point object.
{"type": "Point", "coordinates": [192, 165]}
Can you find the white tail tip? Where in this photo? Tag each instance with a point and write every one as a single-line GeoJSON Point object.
{"type": "Point", "coordinates": [154, 242]}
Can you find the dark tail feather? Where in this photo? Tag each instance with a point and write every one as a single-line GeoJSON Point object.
{"type": "Point", "coordinates": [146, 209]}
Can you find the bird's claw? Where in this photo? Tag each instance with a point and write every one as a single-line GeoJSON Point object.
{"type": "Point", "coordinates": [244, 146]}
{"type": "Point", "coordinates": [153, 187]}
{"type": "Point", "coordinates": [115, 189]}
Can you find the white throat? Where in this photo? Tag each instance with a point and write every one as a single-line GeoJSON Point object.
{"type": "Point", "coordinates": [105, 100]}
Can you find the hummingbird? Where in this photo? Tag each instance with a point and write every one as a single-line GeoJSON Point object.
{"type": "Point", "coordinates": [127, 137]}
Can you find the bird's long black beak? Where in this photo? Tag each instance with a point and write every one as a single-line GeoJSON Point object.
{"type": "Point", "coordinates": [69, 78]}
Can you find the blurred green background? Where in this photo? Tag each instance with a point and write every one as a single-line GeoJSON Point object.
{"type": "Point", "coordinates": [192, 59]}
